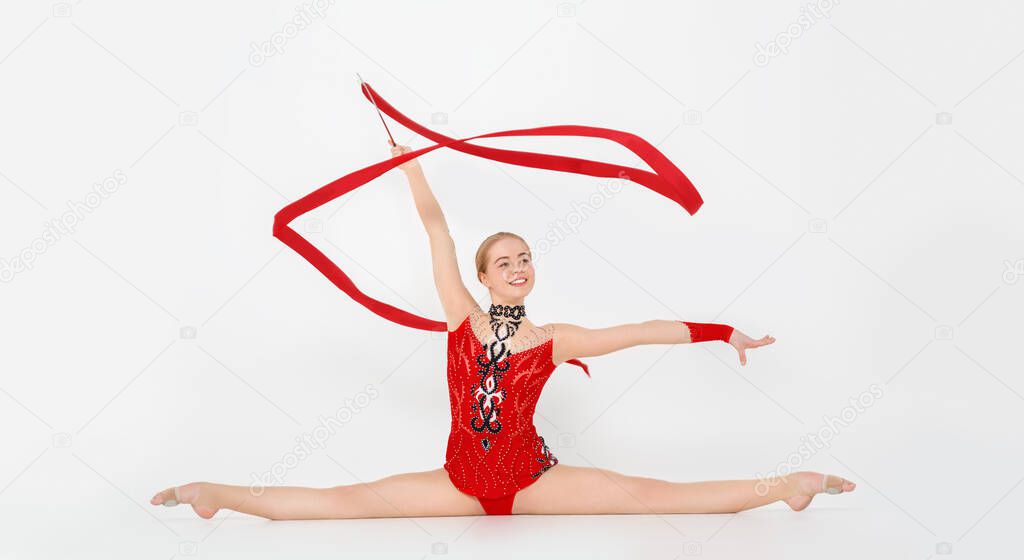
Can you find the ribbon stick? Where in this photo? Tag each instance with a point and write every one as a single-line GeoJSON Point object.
{"type": "Point", "coordinates": [391, 138]}
{"type": "Point", "coordinates": [665, 178]}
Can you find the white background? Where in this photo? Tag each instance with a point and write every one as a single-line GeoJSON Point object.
{"type": "Point", "coordinates": [841, 216]}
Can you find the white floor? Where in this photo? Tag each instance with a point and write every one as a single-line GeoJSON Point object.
{"type": "Point", "coordinates": [99, 530]}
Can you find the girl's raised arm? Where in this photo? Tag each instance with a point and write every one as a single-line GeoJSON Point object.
{"type": "Point", "coordinates": [455, 298]}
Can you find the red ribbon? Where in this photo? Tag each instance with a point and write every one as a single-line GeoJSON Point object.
{"type": "Point", "coordinates": [666, 179]}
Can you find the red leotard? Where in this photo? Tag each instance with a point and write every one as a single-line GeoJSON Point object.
{"type": "Point", "coordinates": [493, 448]}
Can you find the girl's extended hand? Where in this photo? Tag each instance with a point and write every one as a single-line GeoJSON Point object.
{"type": "Point", "coordinates": [409, 165]}
{"type": "Point", "coordinates": [742, 342]}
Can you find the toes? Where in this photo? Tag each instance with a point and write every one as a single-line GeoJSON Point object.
{"type": "Point", "coordinates": [166, 498]}
{"type": "Point", "coordinates": [826, 487]}
{"type": "Point", "coordinates": [836, 485]}
{"type": "Point", "coordinates": [174, 496]}
{"type": "Point", "coordinates": [187, 494]}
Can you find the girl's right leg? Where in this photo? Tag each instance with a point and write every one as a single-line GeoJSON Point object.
{"type": "Point", "coordinates": [417, 494]}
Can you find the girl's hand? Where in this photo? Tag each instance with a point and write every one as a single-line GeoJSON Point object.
{"type": "Point", "coordinates": [742, 342]}
{"type": "Point", "coordinates": [408, 166]}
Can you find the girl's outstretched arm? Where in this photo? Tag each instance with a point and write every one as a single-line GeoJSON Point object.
{"type": "Point", "coordinates": [426, 204]}
{"type": "Point", "coordinates": [455, 298]}
{"type": "Point", "coordinates": [572, 341]}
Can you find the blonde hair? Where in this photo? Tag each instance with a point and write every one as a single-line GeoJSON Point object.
{"type": "Point", "coordinates": [485, 246]}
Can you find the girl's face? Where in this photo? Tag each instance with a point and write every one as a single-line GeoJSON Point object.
{"type": "Point", "coordinates": [509, 273]}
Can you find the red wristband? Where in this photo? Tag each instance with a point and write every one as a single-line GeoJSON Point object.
{"type": "Point", "coordinates": [703, 332]}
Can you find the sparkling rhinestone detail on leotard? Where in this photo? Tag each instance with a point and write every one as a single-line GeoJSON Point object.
{"type": "Point", "coordinates": [547, 460]}
{"type": "Point", "coordinates": [492, 363]}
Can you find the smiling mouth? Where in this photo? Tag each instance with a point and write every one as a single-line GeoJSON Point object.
{"type": "Point", "coordinates": [518, 282]}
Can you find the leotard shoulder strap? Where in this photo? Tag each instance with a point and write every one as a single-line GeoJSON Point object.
{"type": "Point", "coordinates": [666, 179]}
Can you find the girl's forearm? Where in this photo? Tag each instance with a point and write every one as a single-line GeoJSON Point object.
{"type": "Point", "coordinates": [660, 331]}
{"type": "Point", "coordinates": [426, 204]}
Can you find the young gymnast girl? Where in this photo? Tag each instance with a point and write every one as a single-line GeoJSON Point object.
{"type": "Point", "coordinates": [496, 463]}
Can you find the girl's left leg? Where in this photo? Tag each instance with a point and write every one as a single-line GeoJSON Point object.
{"type": "Point", "coordinates": [566, 489]}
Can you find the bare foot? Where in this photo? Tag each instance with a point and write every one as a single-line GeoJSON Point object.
{"type": "Point", "coordinates": [192, 494]}
{"type": "Point", "coordinates": [806, 484]}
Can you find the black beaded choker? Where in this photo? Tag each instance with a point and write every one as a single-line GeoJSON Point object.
{"type": "Point", "coordinates": [513, 312]}
{"type": "Point", "coordinates": [505, 319]}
